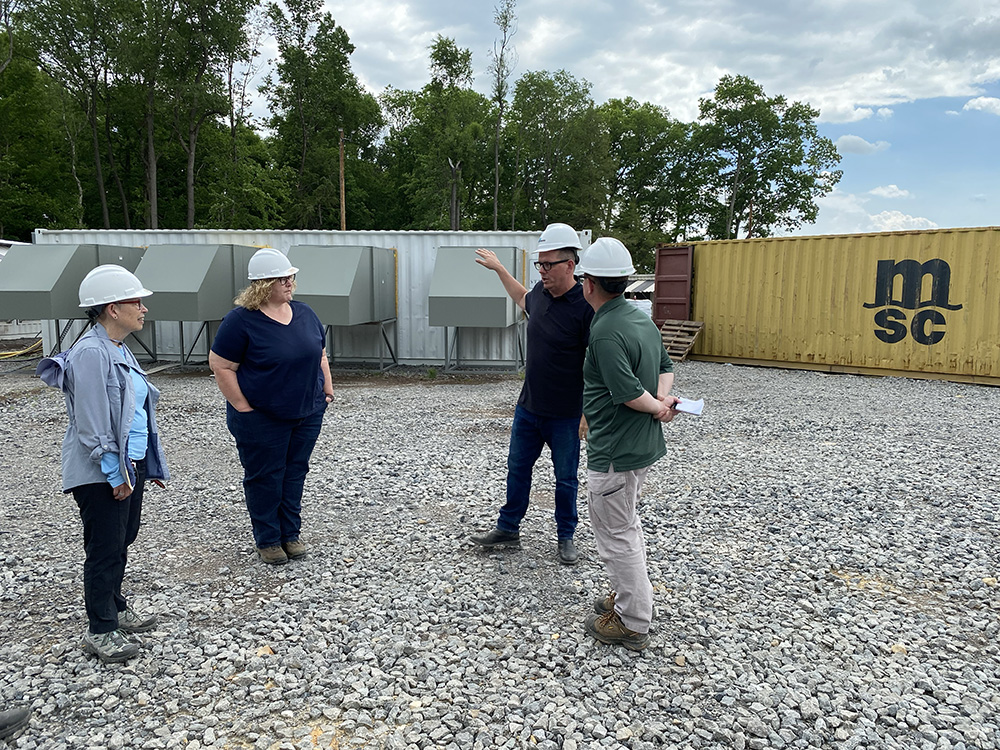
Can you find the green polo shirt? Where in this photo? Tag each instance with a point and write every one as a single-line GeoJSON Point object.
{"type": "Point", "coordinates": [625, 357]}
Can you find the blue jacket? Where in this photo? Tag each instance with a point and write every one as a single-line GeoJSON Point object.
{"type": "Point", "coordinates": [100, 403]}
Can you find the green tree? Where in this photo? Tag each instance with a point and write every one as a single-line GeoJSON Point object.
{"type": "Point", "coordinates": [556, 149]}
{"type": "Point", "coordinates": [36, 187]}
{"type": "Point", "coordinates": [157, 22]}
{"type": "Point", "coordinates": [775, 163]}
{"type": "Point", "coordinates": [208, 36]}
{"type": "Point", "coordinates": [503, 58]}
{"type": "Point", "coordinates": [436, 151]}
{"type": "Point", "coordinates": [313, 97]}
{"type": "Point", "coordinates": [72, 39]}
{"type": "Point", "coordinates": [239, 185]}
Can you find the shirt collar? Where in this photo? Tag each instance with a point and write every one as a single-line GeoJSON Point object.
{"type": "Point", "coordinates": [610, 305]}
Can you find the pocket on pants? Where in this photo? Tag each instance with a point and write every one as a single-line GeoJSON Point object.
{"type": "Point", "coordinates": [241, 423]}
{"type": "Point", "coordinates": [612, 499]}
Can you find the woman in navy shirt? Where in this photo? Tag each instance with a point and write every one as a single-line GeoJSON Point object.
{"type": "Point", "coordinates": [270, 363]}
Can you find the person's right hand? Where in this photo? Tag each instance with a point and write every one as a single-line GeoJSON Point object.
{"type": "Point", "coordinates": [666, 414]}
{"type": "Point", "coordinates": [122, 491]}
{"type": "Point", "coordinates": [488, 259]}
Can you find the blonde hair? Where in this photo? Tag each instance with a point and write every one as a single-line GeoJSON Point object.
{"type": "Point", "coordinates": [257, 293]}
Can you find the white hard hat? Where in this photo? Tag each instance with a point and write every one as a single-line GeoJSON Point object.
{"type": "Point", "coordinates": [110, 283]}
{"type": "Point", "coordinates": [268, 263]}
{"type": "Point", "coordinates": [558, 237]}
{"type": "Point", "coordinates": [607, 258]}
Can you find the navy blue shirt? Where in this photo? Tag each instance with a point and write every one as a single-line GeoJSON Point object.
{"type": "Point", "coordinates": [279, 364]}
{"type": "Point", "coordinates": [558, 331]}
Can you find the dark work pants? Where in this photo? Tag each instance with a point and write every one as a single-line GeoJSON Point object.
{"type": "Point", "coordinates": [275, 457]}
{"type": "Point", "coordinates": [109, 527]}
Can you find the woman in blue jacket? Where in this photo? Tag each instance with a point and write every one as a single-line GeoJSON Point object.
{"type": "Point", "coordinates": [110, 449]}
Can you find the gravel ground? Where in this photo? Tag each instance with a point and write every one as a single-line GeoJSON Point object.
{"type": "Point", "coordinates": [823, 550]}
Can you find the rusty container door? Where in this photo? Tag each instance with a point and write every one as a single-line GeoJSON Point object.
{"type": "Point", "coordinates": [672, 279]}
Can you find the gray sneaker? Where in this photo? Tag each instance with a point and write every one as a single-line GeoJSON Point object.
{"type": "Point", "coordinates": [112, 648]}
{"type": "Point", "coordinates": [130, 621]}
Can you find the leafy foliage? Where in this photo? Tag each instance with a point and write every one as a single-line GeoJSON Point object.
{"type": "Point", "coordinates": [136, 113]}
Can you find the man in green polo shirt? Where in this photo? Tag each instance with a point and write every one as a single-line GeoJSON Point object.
{"type": "Point", "coordinates": [627, 376]}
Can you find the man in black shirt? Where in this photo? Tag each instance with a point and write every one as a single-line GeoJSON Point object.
{"type": "Point", "coordinates": [550, 406]}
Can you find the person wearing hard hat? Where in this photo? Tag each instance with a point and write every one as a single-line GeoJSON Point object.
{"type": "Point", "coordinates": [549, 408]}
{"type": "Point", "coordinates": [627, 377]}
{"type": "Point", "coordinates": [269, 360]}
{"type": "Point", "coordinates": [110, 450]}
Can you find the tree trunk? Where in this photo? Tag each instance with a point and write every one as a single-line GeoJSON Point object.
{"type": "Point", "coordinates": [453, 208]}
{"type": "Point", "coordinates": [190, 147]}
{"type": "Point", "coordinates": [731, 208]}
{"type": "Point", "coordinates": [71, 140]}
{"type": "Point", "coordinates": [496, 171]}
{"type": "Point", "coordinates": [114, 171]}
{"type": "Point", "coordinates": [98, 169]}
{"type": "Point", "coordinates": [152, 221]}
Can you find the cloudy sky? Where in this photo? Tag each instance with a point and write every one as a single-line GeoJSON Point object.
{"type": "Point", "coordinates": [909, 90]}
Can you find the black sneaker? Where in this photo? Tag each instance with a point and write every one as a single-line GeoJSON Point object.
{"type": "Point", "coordinates": [12, 721]}
{"type": "Point", "coordinates": [567, 552]}
{"type": "Point", "coordinates": [497, 538]}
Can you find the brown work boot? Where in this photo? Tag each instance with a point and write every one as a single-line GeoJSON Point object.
{"type": "Point", "coordinates": [609, 628]}
{"type": "Point", "coordinates": [605, 604]}
{"type": "Point", "coordinates": [272, 555]}
{"type": "Point", "coordinates": [294, 549]}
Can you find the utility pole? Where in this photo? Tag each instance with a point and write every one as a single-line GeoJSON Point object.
{"type": "Point", "coordinates": [343, 204]}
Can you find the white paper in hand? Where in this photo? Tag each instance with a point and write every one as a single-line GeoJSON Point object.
{"type": "Point", "coordinates": [690, 406]}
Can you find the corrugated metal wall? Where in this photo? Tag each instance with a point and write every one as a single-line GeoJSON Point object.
{"type": "Point", "coordinates": [922, 302]}
{"type": "Point", "coordinates": [418, 341]}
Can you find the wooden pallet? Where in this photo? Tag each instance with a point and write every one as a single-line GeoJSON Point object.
{"type": "Point", "coordinates": [679, 337]}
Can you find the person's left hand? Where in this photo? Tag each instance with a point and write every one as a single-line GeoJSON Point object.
{"type": "Point", "coordinates": [329, 398]}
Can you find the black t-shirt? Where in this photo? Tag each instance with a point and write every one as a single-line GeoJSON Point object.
{"type": "Point", "coordinates": [558, 331]}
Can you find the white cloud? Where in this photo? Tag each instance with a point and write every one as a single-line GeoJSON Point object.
{"type": "Point", "coordinates": [847, 213]}
{"type": "Point", "coordinates": [843, 112]}
{"type": "Point", "coordinates": [984, 104]}
{"type": "Point", "coordinates": [890, 191]}
{"type": "Point", "coordinates": [884, 113]}
{"type": "Point", "coordinates": [855, 144]}
{"type": "Point", "coordinates": [894, 221]}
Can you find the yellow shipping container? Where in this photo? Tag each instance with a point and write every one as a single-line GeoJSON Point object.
{"type": "Point", "coordinates": [921, 304]}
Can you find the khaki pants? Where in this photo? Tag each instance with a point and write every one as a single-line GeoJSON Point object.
{"type": "Point", "coordinates": [612, 498]}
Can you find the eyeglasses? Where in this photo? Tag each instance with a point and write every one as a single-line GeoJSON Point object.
{"type": "Point", "coordinates": [543, 265]}
{"type": "Point", "coordinates": [286, 280]}
{"type": "Point", "coordinates": [136, 302]}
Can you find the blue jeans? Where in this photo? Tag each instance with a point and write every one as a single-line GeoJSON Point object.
{"type": "Point", "coordinates": [527, 436]}
{"type": "Point", "coordinates": [109, 527]}
{"type": "Point", "coordinates": [275, 456]}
